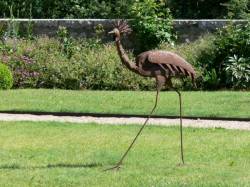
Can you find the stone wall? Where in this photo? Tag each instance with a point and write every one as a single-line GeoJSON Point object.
{"type": "Point", "coordinates": [190, 30]}
{"type": "Point", "coordinates": [187, 30]}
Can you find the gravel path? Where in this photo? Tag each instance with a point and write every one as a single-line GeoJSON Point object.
{"type": "Point", "coordinates": [242, 125]}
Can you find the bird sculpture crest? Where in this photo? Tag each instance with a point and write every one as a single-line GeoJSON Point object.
{"type": "Point", "coordinates": [161, 65]}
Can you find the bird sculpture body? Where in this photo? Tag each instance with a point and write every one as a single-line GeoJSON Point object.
{"type": "Point", "coordinates": [161, 65]}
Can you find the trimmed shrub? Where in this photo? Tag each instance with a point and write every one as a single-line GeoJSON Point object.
{"type": "Point", "coordinates": [6, 79]}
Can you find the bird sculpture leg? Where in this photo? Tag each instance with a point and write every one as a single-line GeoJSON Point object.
{"type": "Point", "coordinates": [160, 82]}
{"type": "Point", "coordinates": [169, 83]}
{"type": "Point", "coordinates": [181, 137]}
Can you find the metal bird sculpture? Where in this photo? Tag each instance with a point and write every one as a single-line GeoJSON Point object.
{"type": "Point", "coordinates": [162, 65]}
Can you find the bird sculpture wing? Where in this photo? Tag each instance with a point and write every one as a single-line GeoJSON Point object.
{"type": "Point", "coordinates": [171, 61]}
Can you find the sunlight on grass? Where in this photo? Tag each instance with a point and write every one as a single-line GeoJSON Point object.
{"type": "Point", "coordinates": [204, 104]}
{"type": "Point", "coordinates": [64, 154]}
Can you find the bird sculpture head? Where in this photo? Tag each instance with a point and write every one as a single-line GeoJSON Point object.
{"type": "Point", "coordinates": [120, 27]}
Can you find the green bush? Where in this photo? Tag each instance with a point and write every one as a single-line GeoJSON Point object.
{"type": "Point", "coordinates": [103, 70]}
{"type": "Point", "coordinates": [221, 60]}
{"type": "Point", "coordinates": [66, 41]}
{"type": "Point", "coordinates": [233, 40]}
{"type": "Point", "coordinates": [238, 9]}
{"type": "Point", "coordinates": [211, 57]}
{"type": "Point", "coordinates": [152, 24]}
{"type": "Point", "coordinates": [40, 63]}
{"type": "Point", "coordinates": [6, 79]}
{"type": "Point", "coordinates": [238, 72]}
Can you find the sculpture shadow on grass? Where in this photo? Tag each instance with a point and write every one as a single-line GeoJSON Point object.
{"type": "Point", "coordinates": [51, 166]}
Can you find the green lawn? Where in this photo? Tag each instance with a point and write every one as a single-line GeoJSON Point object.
{"type": "Point", "coordinates": [63, 154]}
{"type": "Point", "coordinates": [205, 104]}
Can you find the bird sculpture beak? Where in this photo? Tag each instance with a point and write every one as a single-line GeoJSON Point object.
{"type": "Point", "coordinates": [111, 32]}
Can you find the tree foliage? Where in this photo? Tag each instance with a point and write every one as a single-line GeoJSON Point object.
{"type": "Point", "coordinates": [195, 9]}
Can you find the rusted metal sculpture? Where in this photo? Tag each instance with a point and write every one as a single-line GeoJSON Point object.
{"type": "Point", "coordinates": [162, 65]}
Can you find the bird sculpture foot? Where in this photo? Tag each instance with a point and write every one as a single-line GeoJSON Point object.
{"type": "Point", "coordinates": [116, 167]}
{"type": "Point", "coordinates": [181, 164]}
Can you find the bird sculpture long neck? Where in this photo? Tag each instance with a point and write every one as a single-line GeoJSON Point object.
{"type": "Point", "coordinates": [124, 57]}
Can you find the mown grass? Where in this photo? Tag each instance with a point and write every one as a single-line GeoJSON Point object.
{"type": "Point", "coordinates": [200, 103]}
{"type": "Point", "coordinates": [63, 154]}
